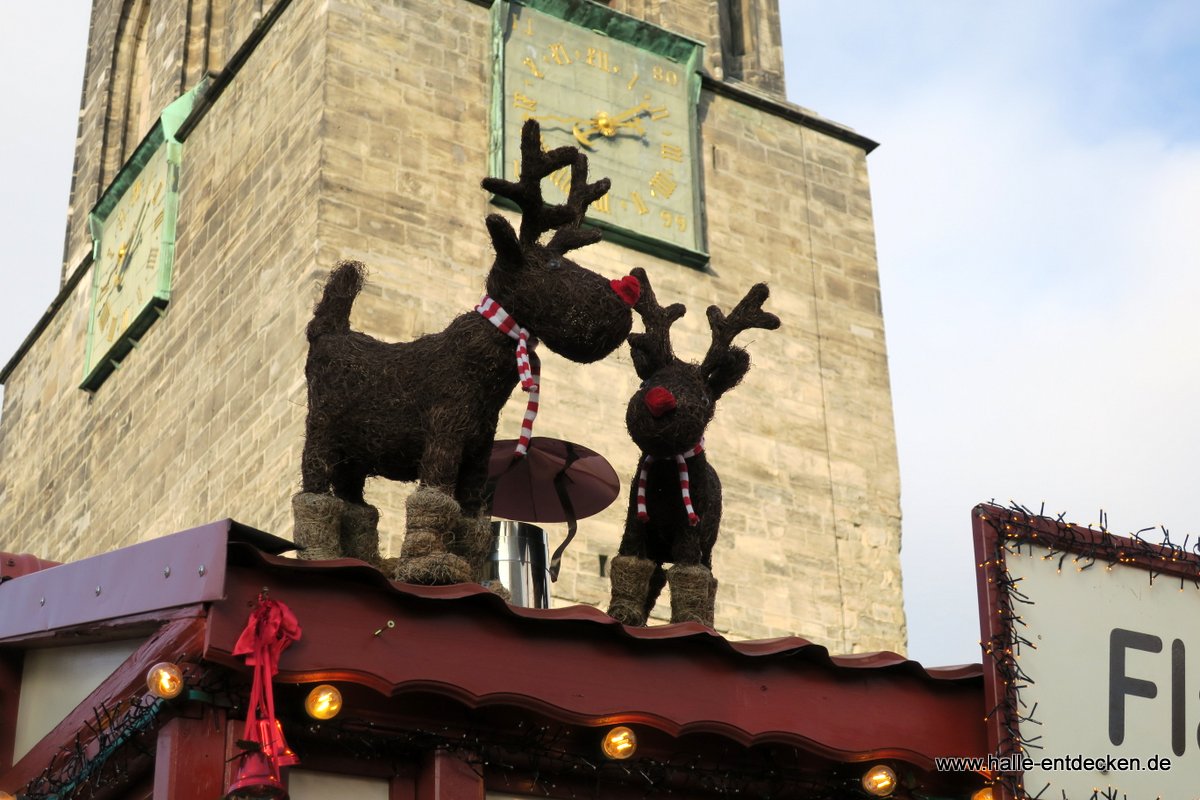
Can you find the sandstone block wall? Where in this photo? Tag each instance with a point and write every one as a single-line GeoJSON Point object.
{"type": "Point", "coordinates": [359, 129]}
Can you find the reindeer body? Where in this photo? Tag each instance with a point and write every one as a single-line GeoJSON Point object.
{"type": "Point", "coordinates": [675, 505]}
{"type": "Point", "coordinates": [427, 410]}
{"type": "Point", "coordinates": [348, 441]}
{"type": "Point", "coordinates": [666, 537]}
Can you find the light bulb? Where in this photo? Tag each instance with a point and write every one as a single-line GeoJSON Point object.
{"type": "Point", "coordinates": [983, 794]}
{"type": "Point", "coordinates": [164, 680]}
{"type": "Point", "coordinates": [323, 702]}
{"type": "Point", "coordinates": [619, 743]}
{"type": "Point", "coordinates": [879, 781]}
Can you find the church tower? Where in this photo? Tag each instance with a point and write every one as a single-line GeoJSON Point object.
{"type": "Point", "coordinates": [231, 151]}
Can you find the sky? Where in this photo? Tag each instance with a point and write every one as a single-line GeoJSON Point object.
{"type": "Point", "coordinates": [1035, 195]}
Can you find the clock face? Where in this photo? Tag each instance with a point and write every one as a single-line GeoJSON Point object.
{"type": "Point", "coordinates": [628, 108]}
{"type": "Point", "coordinates": [133, 229]}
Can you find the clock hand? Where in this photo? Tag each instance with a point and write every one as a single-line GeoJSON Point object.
{"type": "Point", "coordinates": [608, 125]}
{"type": "Point", "coordinates": [583, 136]}
{"type": "Point", "coordinates": [123, 264]}
{"type": "Point", "coordinates": [622, 117]}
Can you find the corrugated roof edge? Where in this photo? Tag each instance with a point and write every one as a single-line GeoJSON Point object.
{"type": "Point", "coordinates": [788, 646]}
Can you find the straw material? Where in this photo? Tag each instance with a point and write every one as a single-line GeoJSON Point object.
{"type": "Point", "coordinates": [316, 526]}
{"type": "Point", "coordinates": [631, 579]}
{"type": "Point", "coordinates": [425, 557]}
{"type": "Point", "coordinates": [693, 593]}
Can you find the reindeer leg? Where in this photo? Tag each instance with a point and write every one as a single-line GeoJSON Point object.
{"type": "Point", "coordinates": [630, 577]}
{"type": "Point", "coordinates": [693, 593]}
{"type": "Point", "coordinates": [317, 525]}
{"type": "Point", "coordinates": [433, 519]}
{"type": "Point", "coordinates": [474, 539]}
{"type": "Point", "coordinates": [693, 587]}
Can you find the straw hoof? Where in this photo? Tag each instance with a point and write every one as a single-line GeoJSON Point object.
{"type": "Point", "coordinates": [630, 579]}
{"type": "Point", "coordinates": [474, 541]}
{"type": "Point", "coordinates": [316, 526]}
{"type": "Point", "coordinates": [693, 593]}
{"type": "Point", "coordinates": [436, 569]}
{"type": "Point", "coordinates": [431, 525]}
{"type": "Point", "coordinates": [360, 533]}
{"type": "Point", "coordinates": [497, 588]}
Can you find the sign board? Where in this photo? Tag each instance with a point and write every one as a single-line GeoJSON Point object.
{"type": "Point", "coordinates": [1091, 660]}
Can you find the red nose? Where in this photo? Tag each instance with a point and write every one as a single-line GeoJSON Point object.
{"type": "Point", "coordinates": [659, 401]}
{"type": "Point", "coordinates": [628, 288]}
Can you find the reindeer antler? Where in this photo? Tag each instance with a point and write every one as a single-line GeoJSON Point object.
{"type": "Point", "coordinates": [724, 365]}
{"type": "Point", "coordinates": [652, 349]}
{"type": "Point", "coordinates": [536, 216]}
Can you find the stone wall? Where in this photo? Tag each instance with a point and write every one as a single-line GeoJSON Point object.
{"type": "Point", "coordinates": [360, 130]}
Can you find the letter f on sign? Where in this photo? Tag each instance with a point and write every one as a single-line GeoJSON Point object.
{"type": "Point", "coordinates": [1120, 684]}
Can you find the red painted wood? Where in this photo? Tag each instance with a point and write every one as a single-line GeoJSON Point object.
{"type": "Point", "coordinates": [178, 640]}
{"type": "Point", "coordinates": [446, 776]}
{"type": "Point", "coordinates": [583, 673]}
{"type": "Point", "coordinates": [989, 626]}
{"type": "Point", "coordinates": [190, 759]}
{"type": "Point", "coordinates": [403, 787]}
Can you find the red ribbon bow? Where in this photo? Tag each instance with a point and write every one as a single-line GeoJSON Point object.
{"type": "Point", "coordinates": [271, 628]}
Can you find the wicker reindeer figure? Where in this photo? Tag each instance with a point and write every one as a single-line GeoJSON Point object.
{"type": "Point", "coordinates": [427, 410]}
{"type": "Point", "coordinates": [675, 503]}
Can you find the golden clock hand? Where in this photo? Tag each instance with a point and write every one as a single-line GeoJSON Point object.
{"type": "Point", "coordinates": [582, 136]}
{"type": "Point", "coordinates": [607, 125]}
{"type": "Point", "coordinates": [623, 116]}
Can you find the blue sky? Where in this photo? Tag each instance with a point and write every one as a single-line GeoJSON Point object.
{"type": "Point", "coordinates": [1035, 193]}
{"type": "Point", "coordinates": [1035, 197]}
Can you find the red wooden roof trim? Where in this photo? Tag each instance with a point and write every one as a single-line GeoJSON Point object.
{"type": "Point", "coordinates": [473, 595]}
{"type": "Point", "coordinates": [479, 653]}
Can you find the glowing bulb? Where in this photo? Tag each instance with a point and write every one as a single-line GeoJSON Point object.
{"type": "Point", "coordinates": [164, 680]}
{"type": "Point", "coordinates": [619, 743]}
{"type": "Point", "coordinates": [983, 794]}
{"type": "Point", "coordinates": [323, 702]}
{"type": "Point", "coordinates": [879, 781]}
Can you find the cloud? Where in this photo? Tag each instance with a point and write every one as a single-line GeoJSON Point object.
{"type": "Point", "coordinates": [1037, 259]}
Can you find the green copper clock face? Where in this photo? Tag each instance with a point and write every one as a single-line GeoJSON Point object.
{"type": "Point", "coordinates": [629, 108]}
{"type": "Point", "coordinates": [133, 228]}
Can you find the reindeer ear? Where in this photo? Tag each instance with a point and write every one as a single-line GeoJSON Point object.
{"type": "Point", "coordinates": [728, 371]}
{"type": "Point", "coordinates": [642, 347]}
{"type": "Point", "coordinates": [504, 239]}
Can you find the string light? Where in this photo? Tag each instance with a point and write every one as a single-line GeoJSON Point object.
{"type": "Point", "coordinates": [619, 743]}
{"type": "Point", "coordinates": [323, 702]}
{"type": "Point", "coordinates": [165, 680]}
{"type": "Point", "coordinates": [879, 780]}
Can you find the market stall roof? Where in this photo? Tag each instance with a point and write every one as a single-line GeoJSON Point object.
{"type": "Point", "coordinates": [189, 593]}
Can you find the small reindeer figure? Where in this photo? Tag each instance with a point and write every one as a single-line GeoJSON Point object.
{"type": "Point", "coordinates": [427, 410]}
{"type": "Point", "coordinates": [675, 505]}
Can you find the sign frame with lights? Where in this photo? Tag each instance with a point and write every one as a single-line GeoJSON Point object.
{"type": "Point", "coordinates": [1081, 629]}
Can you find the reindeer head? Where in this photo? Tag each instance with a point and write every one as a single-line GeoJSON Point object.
{"type": "Point", "coordinates": [671, 410]}
{"type": "Point", "coordinates": [577, 313]}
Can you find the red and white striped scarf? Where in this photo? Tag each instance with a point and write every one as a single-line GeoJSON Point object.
{"type": "Point", "coordinates": [684, 484]}
{"type": "Point", "coordinates": [528, 365]}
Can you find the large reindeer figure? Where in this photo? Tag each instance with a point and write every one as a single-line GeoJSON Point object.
{"type": "Point", "coordinates": [675, 500]}
{"type": "Point", "coordinates": [427, 410]}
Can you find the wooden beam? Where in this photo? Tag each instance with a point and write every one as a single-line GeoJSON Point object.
{"type": "Point", "coordinates": [190, 760]}
{"type": "Point", "coordinates": [448, 776]}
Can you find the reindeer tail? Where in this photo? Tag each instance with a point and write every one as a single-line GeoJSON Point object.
{"type": "Point", "coordinates": [332, 313]}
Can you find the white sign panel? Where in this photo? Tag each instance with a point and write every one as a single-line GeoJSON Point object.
{"type": "Point", "coordinates": [1115, 677]}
